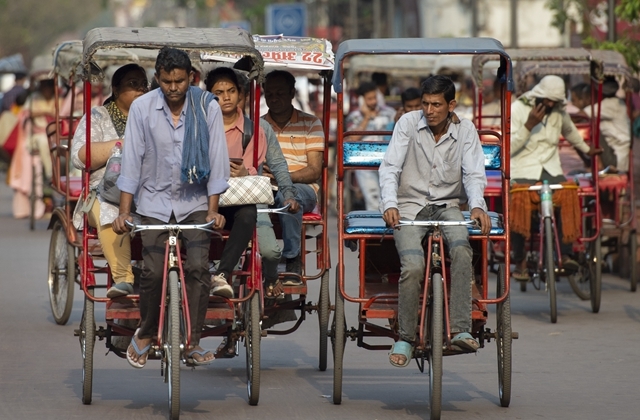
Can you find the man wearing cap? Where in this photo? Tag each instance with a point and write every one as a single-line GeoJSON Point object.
{"type": "Point", "coordinates": [538, 119]}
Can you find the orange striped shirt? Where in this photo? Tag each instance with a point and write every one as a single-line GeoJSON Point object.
{"type": "Point", "coordinates": [303, 133]}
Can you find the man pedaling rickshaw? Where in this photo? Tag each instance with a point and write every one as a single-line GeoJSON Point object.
{"type": "Point", "coordinates": [538, 119]}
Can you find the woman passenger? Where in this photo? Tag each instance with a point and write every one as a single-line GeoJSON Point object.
{"type": "Point", "coordinates": [107, 128]}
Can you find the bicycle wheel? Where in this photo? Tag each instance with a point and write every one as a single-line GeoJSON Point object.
{"type": "Point", "coordinates": [252, 337]}
{"type": "Point", "coordinates": [436, 325]}
{"type": "Point", "coordinates": [87, 343]}
{"type": "Point", "coordinates": [32, 198]}
{"type": "Point", "coordinates": [338, 336]}
{"type": "Point", "coordinates": [324, 308]}
{"type": "Point", "coordinates": [172, 345]}
{"type": "Point", "coordinates": [503, 340]}
{"type": "Point", "coordinates": [633, 268]}
{"type": "Point", "coordinates": [595, 265]}
{"type": "Point", "coordinates": [550, 266]}
{"type": "Point", "coordinates": [580, 281]}
{"type": "Point", "coordinates": [62, 274]}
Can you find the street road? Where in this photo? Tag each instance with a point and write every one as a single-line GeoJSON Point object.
{"type": "Point", "coordinates": [584, 367]}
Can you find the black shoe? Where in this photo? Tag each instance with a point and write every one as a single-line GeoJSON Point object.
{"type": "Point", "coordinates": [569, 265]}
{"type": "Point", "coordinates": [294, 265]}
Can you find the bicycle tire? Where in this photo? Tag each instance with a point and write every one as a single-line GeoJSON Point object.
{"type": "Point", "coordinates": [436, 326]}
{"type": "Point", "coordinates": [633, 260]}
{"type": "Point", "coordinates": [61, 274]}
{"type": "Point", "coordinates": [503, 340]}
{"type": "Point", "coordinates": [596, 274]}
{"type": "Point", "coordinates": [172, 345]}
{"type": "Point", "coordinates": [87, 343]}
{"type": "Point", "coordinates": [550, 278]}
{"type": "Point", "coordinates": [252, 337]}
{"type": "Point", "coordinates": [324, 309]}
{"type": "Point", "coordinates": [338, 338]}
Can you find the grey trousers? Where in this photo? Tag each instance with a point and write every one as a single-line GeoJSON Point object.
{"type": "Point", "coordinates": [409, 245]}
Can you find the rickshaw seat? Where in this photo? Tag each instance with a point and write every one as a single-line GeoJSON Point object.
{"type": "Point", "coordinates": [371, 153]}
{"type": "Point", "coordinates": [74, 184]}
{"type": "Point", "coordinates": [365, 222]}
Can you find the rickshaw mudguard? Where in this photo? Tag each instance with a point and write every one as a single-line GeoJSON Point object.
{"type": "Point", "coordinates": [60, 214]}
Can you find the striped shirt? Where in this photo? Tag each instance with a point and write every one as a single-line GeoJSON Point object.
{"type": "Point", "coordinates": [302, 134]}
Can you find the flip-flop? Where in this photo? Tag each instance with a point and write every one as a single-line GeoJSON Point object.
{"type": "Point", "coordinates": [270, 294]}
{"type": "Point", "coordinates": [223, 350]}
{"type": "Point", "coordinates": [521, 275]}
{"type": "Point", "coordinates": [401, 348]}
{"type": "Point", "coordinates": [465, 342]}
{"type": "Point", "coordinates": [191, 361]}
{"type": "Point", "coordinates": [140, 353]}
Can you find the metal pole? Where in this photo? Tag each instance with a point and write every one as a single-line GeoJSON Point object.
{"type": "Point", "coordinates": [612, 20]}
{"type": "Point", "coordinates": [474, 18]}
{"type": "Point", "coordinates": [391, 18]}
{"type": "Point", "coordinates": [377, 32]}
{"type": "Point", "coordinates": [514, 23]}
{"type": "Point", "coordinates": [353, 17]}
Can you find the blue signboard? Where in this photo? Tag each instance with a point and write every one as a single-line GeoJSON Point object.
{"type": "Point", "coordinates": [286, 19]}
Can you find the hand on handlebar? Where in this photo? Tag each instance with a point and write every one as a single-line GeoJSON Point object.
{"type": "Point", "coordinates": [392, 217]}
{"type": "Point", "coordinates": [594, 151]}
{"type": "Point", "coordinates": [219, 220]}
{"type": "Point", "coordinates": [483, 218]}
{"type": "Point", "coordinates": [119, 225]}
{"type": "Point", "coordinates": [293, 205]}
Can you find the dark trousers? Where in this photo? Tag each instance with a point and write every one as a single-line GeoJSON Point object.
{"type": "Point", "coordinates": [241, 221]}
{"type": "Point", "coordinates": [518, 241]}
{"type": "Point", "coordinates": [196, 270]}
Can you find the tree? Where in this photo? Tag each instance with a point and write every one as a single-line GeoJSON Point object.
{"type": "Point", "coordinates": [31, 26]}
{"type": "Point", "coordinates": [580, 11]}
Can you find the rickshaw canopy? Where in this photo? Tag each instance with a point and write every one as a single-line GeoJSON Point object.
{"type": "Point", "coordinates": [12, 64]}
{"type": "Point", "coordinates": [417, 46]}
{"type": "Point", "coordinates": [41, 67]}
{"type": "Point", "coordinates": [124, 45]}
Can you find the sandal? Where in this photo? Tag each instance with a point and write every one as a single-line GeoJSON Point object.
{"type": "Point", "coordinates": [521, 273]}
{"type": "Point", "coordinates": [226, 349]}
{"type": "Point", "coordinates": [274, 290]}
{"type": "Point", "coordinates": [465, 342]}
{"type": "Point", "coordinates": [191, 361]}
{"type": "Point", "coordinates": [134, 346]}
{"type": "Point", "coordinates": [401, 348]}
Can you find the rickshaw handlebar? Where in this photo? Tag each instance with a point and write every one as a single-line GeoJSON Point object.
{"type": "Point", "coordinates": [175, 227]}
{"type": "Point", "coordinates": [429, 223]}
{"type": "Point", "coordinates": [281, 210]}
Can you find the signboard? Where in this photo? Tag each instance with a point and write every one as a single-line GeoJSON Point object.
{"type": "Point", "coordinates": [295, 52]}
{"type": "Point", "coordinates": [286, 19]}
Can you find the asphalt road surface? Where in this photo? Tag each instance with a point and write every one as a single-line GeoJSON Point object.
{"type": "Point", "coordinates": [584, 367]}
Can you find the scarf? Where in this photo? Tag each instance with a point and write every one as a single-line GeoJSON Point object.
{"type": "Point", "coordinates": [118, 119]}
{"type": "Point", "coordinates": [195, 147]}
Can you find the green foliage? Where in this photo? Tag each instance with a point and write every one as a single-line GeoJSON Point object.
{"type": "Point", "coordinates": [560, 9]}
{"type": "Point", "coordinates": [628, 10]}
{"type": "Point", "coordinates": [629, 48]}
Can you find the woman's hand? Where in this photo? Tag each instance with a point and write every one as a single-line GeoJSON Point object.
{"type": "Point", "coordinates": [238, 169]}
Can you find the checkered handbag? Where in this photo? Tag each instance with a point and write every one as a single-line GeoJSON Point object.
{"type": "Point", "coordinates": [252, 189]}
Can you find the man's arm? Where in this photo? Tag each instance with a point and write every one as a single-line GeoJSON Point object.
{"type": "Point", "coordinates": [392, 163]}
{"type": "Point", "coordinates": [218, 152]}
{"type": "Point", "coordinates": [276, 165]}
{"type": "Point", "coordinates": [132, 152]}
{"type": "Point", "coordinates": [573, 136]}
{"type": "Point", "coordinates": [312, 172]}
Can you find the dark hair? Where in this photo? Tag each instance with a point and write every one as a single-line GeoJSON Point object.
{"type": "Point", "coordinates": [379, 78]}
{"type": "Point", "coordinates": [19, 75]}
{"type": "Point", "coordinates": [170, 59]}
{"type": "Point", "coordinates": [581, 90]}
{"type": "Point", "coordinates": [610, 87]}
{"type": "Point", "coordinates": [366, 87]}
{"type": "Point", "coordinates": [439, 84]}
{"type": "Point", "coordinates": [288, 77]}
{"type": "Point", "coordinates": [119, 75]}
{"type": "Point", "coordinates": [221, 73]}
{"type": "Point", "coordinates": [22, 97]}
{"type": "Point", "coordinates": [154, 84]}
{"type": "Point", "coordinates": [410, 94]}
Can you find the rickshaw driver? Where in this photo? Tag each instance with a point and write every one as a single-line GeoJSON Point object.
{"type": "Point", "coordinates": [538, 118]}
{"type": "Point", "coordinates": [431, 157]}
{"type": "Point", "coordinates": [175, 161]}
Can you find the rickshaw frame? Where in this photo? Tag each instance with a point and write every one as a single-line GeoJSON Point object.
{"type": "Point", "coordinates": [383, 47]}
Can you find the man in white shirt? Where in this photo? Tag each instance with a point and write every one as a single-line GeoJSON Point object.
{"type": "Point", "coordinates": [538, 119]}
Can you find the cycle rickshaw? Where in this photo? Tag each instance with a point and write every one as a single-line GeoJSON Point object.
{"type": "Point", "coordinates": [241, 315]}
{"type": "Point", "coordinates": [544, 264]}
{"type": "Point", "coordinates": [66, 183]}
{"type": "Point", "coordinates": [311, 57]}
{"type": "Point", "coordinates": [379, 267]}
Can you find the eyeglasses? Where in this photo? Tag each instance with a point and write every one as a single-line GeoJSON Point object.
{"type": "Point", "coordinates": [137, 84]}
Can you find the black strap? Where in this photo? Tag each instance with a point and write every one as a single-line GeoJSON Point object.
{"type": "Point", "coordinates": [248, 133]}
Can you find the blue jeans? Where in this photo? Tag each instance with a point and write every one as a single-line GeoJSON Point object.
{"type": "Point", "coordinates": [292, 226]}
{"type": "Point", "coordinates": [409, 245]}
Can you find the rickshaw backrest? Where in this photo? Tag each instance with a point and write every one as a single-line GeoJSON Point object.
{"type": "Point", "coordinates": [371, 153]}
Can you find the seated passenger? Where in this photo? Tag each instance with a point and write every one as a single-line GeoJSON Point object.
{"type": "Point", "coordinates": [107, 127]}
{"type": "Point", "coordinates": [411, 101]}
{"type": "Point", "coordinates": [538, 118]}
{"type": "Point", "coordinates": [223, 83]}
{"type": "Point", "coordinates": [615, 136]}
{"type": "Point", "coordinates": [301, 139]}
{"type": "Point", "coordinates": [432, 163]}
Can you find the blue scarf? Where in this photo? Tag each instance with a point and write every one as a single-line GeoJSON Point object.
{"type": "Point", "coordinates": [195, 147]}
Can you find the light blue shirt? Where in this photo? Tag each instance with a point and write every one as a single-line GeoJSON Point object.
{"type": "Point", "coordinates": [417, 171]}
{"type": "Point", "coordinates": [152, 157]}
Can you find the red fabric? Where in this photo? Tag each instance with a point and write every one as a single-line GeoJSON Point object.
{"type": "Point", "coordinates": [12, 141]}
{"type": "Point", "coordinates": [312, 217]}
